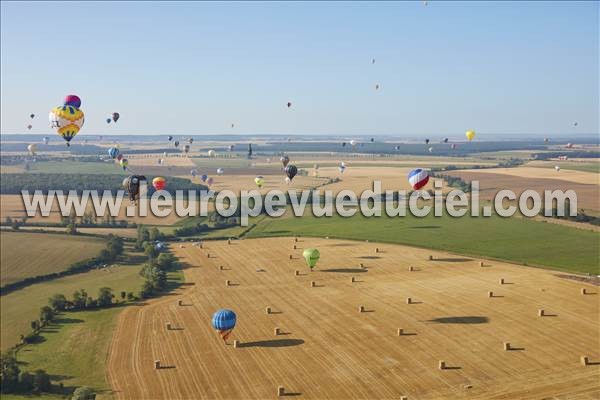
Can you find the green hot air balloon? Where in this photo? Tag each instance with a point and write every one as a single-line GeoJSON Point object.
{"type": "Point", "coordinates": [311, 256]}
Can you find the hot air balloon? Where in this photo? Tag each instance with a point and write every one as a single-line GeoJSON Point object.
{"type": "Point", "coordinates": [546, 140]}
{"type": "Point", "coordinates": [170, 138]}
{"type": "Point", "coordinates": [284, 160]}
{"type": "Point", "coordinates": [124, 163]}
{"type": "Point", "coordinates": [232, 125]}
{"type": "Point", "coordinates": [445, 140]}
{"type": "Point", "coordinates": [67, 120]}
{"type": "Point", "coordinates": [260, 181]}
{"type": "Point", "coordinates": [119, 157]}
{"type": "Point", "coordinates": [291, 171]}
{"type": "Point", "coordinates": [341, 168]}
{"type": "Point", "coordinates": [377, 87]}
{"type": "Point", "coordinates": [470, 135]}
{"type": "Point", "coordinates": [268, 160]}
{"type": "Point", "coordinates": [224, 322]}
{"type": "Point", "coordinates": [569, 145]}
{"type": "Point", "coordinates": [209, 181]}
{"type": "Point", "coordinates": [343, 144]}
{"type": "Point", "coordinates": [430, 149]}
{"type": "Point", "coordinates": [316, 166]}
{"type": "Point", "coordinates": [32, 116]}
{"type": "Point", "coordinates": [418, 178]}
{"type": "Point", "coordinates": [186, 148]}
{"type": "Point", "coordinates": [231, 147]}
{"type": "Point", "coordinates": [72, 100]}
{"type": "Point", "coordinates": [249, 150]}
{"type": "Point", "coordinates": [29, 126]}
{"type": "Point", "coordinates": [161, 161]}
{"type": "Point", "coordinates": [176, 144]}
{"type": "Point", "coordinates": [46, 139]}
{"type": "Point", "coordinates": [32, 148]}
{"type": "Point", "coordinates": [108, 120]}
{"type": "Point", "coordinates": [453, 146]}
{"type": "Point", "coordinates": [557, 168]}
{"type": "Point", "coordinates": [289, 104]}
{"type": "Point", "coordinates": [113, 152]}
{"type": "Point", "coordinates": [220, 171]}
{"type": "Point", "coordinates": [576, 123]}
{"type": "Point", "coordinates": [372, 140]}
{"type": "Point", "coordinates": [211, 153]}
{"type": "Point", "coordinates": [131, 184]}
{"type": "Point", "coordinates": [373, 61]}
{"type": "Point", "coordinates": [194, 172]}
{"type": "Point", "coordinates": [115, 116]}
{"type": "Point", "coordinates": [159, 183]}
{"type": "Point", "coordinates": [203, 177]}
{"type": "Point", "coordinates": [353, 143]}
{"type": "Point", "coordinates": [426, 141]}
{"type": "Point", "coordinates": [311, 256]}
{"type": "Point", "coordinates": [397, 147]}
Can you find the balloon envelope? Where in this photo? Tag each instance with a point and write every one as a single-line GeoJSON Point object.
{"type": "Point", "coordinates": [224, 320]}
{"type": "Point", "coordinates": [72, 100]}
{"type": "Point", "coordinates": [159, 183]}
{"type": "Point", "coordinates": [116, 116]}
{"type": "Point", "coordinates": [32, 148]}
{"type": "Point", "coordinates": [113, 152]}
{"type": "Point", "coordinates": [66, 120]}
{"type": "Point", "coordinates": [470, 135]}
{"type": "Point", "coordinates": [418, 178]}
{"type": "Point", "coordinates": [311, 256]}
{"type": "Point", "coordinates": [260, 181]}
{"type": "Point", "coordinates": [291, 171]}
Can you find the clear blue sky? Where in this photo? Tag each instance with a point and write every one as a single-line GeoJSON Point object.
{"type": "Point", "coordinates": [195, 68]}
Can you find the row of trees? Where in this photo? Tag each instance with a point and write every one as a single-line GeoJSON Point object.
{"type": "Point", "coordinates": [12, 379]}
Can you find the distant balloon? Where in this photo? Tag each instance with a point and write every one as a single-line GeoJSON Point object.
{"type": "Point", "coordinates": [131, 184]}
{"type": "Point", "coordinates": [108, 120]}
{"type": "Point", "coordinates": [194, 172]}
{"type": "Point", "coordinates": [186, 148]}
{"type": "Point", "coordinates": [377, 87]}
{"type": "Point", "coordinates": [453, 146]}
{"type": "Point", "coordinates": [353, 143]}
{"type": "Point", "coordinates": [115, 116]}
{"type": "Point", "coordinates": [212, 153]}
{"type": "Point", "coordinates": [224, 321]}
{"type": "Point", "coordinates": [316, 166]}
{"type": "Point", "coordinates": [46, 139]}
{"type": "Point", "coordinates": [341, 168]}
{"type": "Point", "coordinates": [445, 140]}
{"type": "Point", "coordinates": [191, 140]}
{"type": "Point", "coordinates": [259, 181]}
{"type": "Point", "coordinates": [210, 181]}
{"type": "Point", "coordinates": [569, 145]}
{"type": "Point", "coordinates": [203, 177]}
{"type": "Point", "coordinates": [418, 178]}
{"type": "Point", "coordinates": [470, 135]}
{"type": "Point", "coordinates": [32, 148]}
{"type": "Point", "coordinates": [311, 256]}
{"type": "Point", "coordinates": [546, 140]}
{"type": "Point", "coordinates": [176, 143]}
{"type": "Point", "coordinates": [124, 163]}
{"type": "Point", "coordinates": [32, 116]}
{"type": "Point", "coordinates": [426, 141]}
{"type": "Point", "coordinates": [343, 144]}
{"type": "Point", "coordinates": [72, 100]}
{"type": "Point", "coordinates": [159, 183]}
{"type": "Point", "coordinates": [113, 152]}
{"type": "Point", "coordinates": [170, 138]}
{"type": "Point", "coordinates": [557, 168]}
{"type": "Point", "coordinates": [119, 157]}
{"type": "Point", "coordinates": [397, 147]}
{"type": "Point", "coordinates": [289, 104]}
{"type": "Point", "coordinates": [231, 147]}
{"type": "Point", "coordinates": [220, 171]}
{"type": "Point", "coordinates": [372, 140]}
{"type": "Point", "coordinates": [291, 171]}
{"type": "Point", "coordinates": [576, 123]}
{"type": "Point", "coordinates": [430, 149]}
{"type": "Point", "coordinates": [232, 125]}
{"type": "Point", "coordinates": [373, 61]}
{"type": "Point", "coordinates": [284, 160]}
{"type": "Point", "coordinates": [29, 126]}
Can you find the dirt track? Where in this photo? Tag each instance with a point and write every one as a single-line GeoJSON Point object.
{"type": "Point", "coordinates": [330, 350]}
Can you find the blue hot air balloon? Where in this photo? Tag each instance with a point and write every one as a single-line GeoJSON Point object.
{"type": "Point", "coordinates": [204, 177]}
{"type": "Point", "coordinates": [224, 322]}
{"type": "Point", "coordinates": [113, 152]}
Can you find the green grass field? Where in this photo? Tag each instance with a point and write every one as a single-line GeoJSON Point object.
{"type": "Point", "coordinates": [74, 349]}
{"type": "Point", "coordinates": [19, 308]}
{"type": "Point", "coordinates": [513, 239]}
{"type": "Point", "coordinates": [25, 255]}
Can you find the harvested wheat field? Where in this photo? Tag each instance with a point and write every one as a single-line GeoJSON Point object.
{"type": "Point", "coordinates": [328, 349]}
